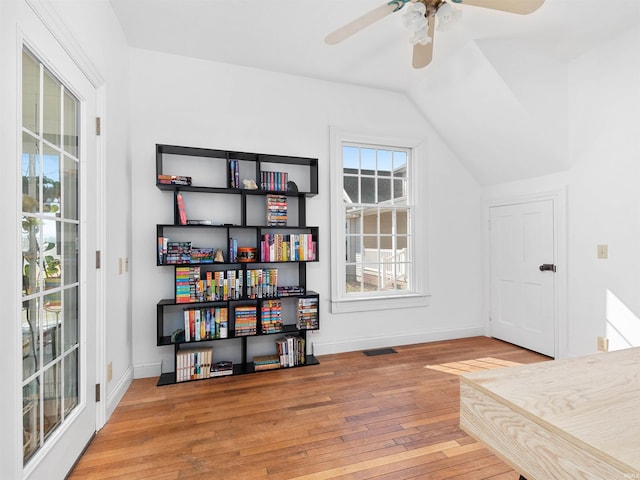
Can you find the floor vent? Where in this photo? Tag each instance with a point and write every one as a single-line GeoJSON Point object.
{"type": "Point", "coordinates": [379, 351]}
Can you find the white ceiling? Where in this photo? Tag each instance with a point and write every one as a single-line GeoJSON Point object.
{"type": "Point", "coordinates": [495, 90]}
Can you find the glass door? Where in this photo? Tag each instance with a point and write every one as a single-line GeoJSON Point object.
{"type": "Point", "coordinates": [58, 334]}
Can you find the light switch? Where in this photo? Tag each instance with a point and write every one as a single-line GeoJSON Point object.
{"type": "Point", "coordinates": [603, 251]}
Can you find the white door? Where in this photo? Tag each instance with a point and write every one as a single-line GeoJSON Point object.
{"type": "Point", "coordinates": [58, 320]}
{"type": "Point", "coordinates": [522, 309]}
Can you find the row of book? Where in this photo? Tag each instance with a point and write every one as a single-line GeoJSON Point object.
{"type": "Point", "coordinates": [234, 174]}
{"type": "Point", "coordinates": [274, 181]}
{"type": "Point", "coordinates": [276, 210]}
{"type": "Point", "coordinates": [291, 350]}
{"type": "Point", "coordinates": [206, 323]}
{"type": "Point", "coordinates": [294, 247]}
{"type": "Point", "coordinates": [197, 364]}
{"type": "Point", "coordinates": [307, 314]}
{"type": "Point", "coordinates": [245, 320]}
{"type": "Point", "coordinates": [182, 253]}
{"type": "Point", "coordinates": [174, 180]}
{"type": "Point", "coordinates": [193, 364]}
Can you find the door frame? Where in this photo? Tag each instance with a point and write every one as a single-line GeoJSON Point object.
{"type": "Point", "coordinates": [52, 22]}
{"type": "Point", "coordinates": [558, 197]}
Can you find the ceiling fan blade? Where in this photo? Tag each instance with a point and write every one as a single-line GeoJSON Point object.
{"type": "Point", "coordinates": [362, 22]}
{"type": "Point", "coordinates": [422, 54]}
{"type": "Point", "coordinates": [523, 7]}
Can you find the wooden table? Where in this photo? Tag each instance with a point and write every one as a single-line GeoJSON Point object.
{"type": "Point", "coordinates": [566, 419]}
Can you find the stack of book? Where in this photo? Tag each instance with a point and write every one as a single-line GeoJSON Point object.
{"type": "Point", "coordinates": [174, 180]}
{"type": "Point", "coordinates": [193, 364]}
{"type": "Point", "coordinates": [271, 316]}
{"type": "Point", "coordinates": [245, 320]}
{"type": "Point", "coordinates": [201, 255]}
{"type": "Point", "coordinates": [290, 291]}
{"type": "Point", "coordinates": [188, 285]}
{"type": "Point", "coordinates": [307, 314]}
{"type": "Point", "coordinates": [220, 369]}
{"type": "Point", "coordinates": [266, 362]}
{"type": "Point", "coordinates": [276, 210]}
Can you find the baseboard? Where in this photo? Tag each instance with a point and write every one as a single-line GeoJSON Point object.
{"type": "Point", "coordinates": [146, 370]}
{"type": "Point", "coordinates": [355, 344]}
{"type": "Point", "coordinates": [118, 391]}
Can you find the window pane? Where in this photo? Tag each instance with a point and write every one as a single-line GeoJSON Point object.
{"type": "Point", "coordinates": [386, 222]}
{"type": "Point", "coordinates": [70, 317]}
{"type": "Point", "coordinates": [30, 174]}
{"type": "Point", "coordinates": [367, 190]}
{"type": "Point", "coordinates": [353, 248]}
{"type": "Point", "coordinates": [51, 182]}
{"type": "Point", "coordinates": [70, 124]}
{"type": "Point", "coordinates": [52, 127]}
{"type": "Point", "coordinates": [400, 164]}
{"type": "Point", "coordinates": [402, 227]}
{"type": "Point", "coordinates": [351, 158]}
{"type": "Point", "coordinates": [399, 188]}
{"type": "Point", "coordinates": [30, 92]}
{"type": "Point", "coordinates": [384, 190]}
{"type": "Point", "coordinates": [367, 161]}
{"type": "Point", "coordinates": [385, 162]}
{"type": "Point", "coordinates": [350, 186]}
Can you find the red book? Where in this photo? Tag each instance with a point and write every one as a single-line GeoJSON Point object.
{"type": "Point", "coordinates": [181, 210]}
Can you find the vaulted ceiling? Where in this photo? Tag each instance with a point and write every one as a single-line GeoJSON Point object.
{"type": "Point", "coordinates": [496, 90]}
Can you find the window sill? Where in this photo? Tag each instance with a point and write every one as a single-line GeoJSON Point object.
{"type": "Point", "coordinates": [379, 303]}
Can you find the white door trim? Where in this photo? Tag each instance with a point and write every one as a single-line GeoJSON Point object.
{"type": "Point", "coordinates": [559, 199]}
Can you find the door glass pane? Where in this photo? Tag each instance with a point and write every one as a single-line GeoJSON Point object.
{"type": "Point", "coordinates": [70, 143]}
{"type": "Point", "coordinates": [30, 337]}
{"type": "Point", "coordinates": [70, 317]}
{"type": "Point", "coordinates": [30, 93]}
{"type": "Point", "coordinates": [70, 253]}
{"type": "Point", "coordinates": [70, 188]}
{"type": "Point", "coordinates": [52, 399]}
{"type": "Point", "coordinates": [50, 252]}
{"type": "Point", "coordinates": [31, 418]}
{"type": "Point", "coordinates": [30, 173]}
{"type": "Point", "coordinates": [52, 126]}
{"type": "Point", "coordinates": [51, 181]}
{"type": "Point", "coordinates": [70, 381]}
{"type": "Point", "coordinates": [51, 327]}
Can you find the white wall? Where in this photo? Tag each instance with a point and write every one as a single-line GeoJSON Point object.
{"type": "Point", "coordinates": [103, 41]}
{"type": "Point", "coordinates": [190, 102]}
{"type": "Point", "coordinates": [603, 198]}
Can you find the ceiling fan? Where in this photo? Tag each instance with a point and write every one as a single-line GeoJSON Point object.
{"type": "Point", "coordinates": [420, 19]}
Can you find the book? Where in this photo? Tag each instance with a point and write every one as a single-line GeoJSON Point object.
{"type": "Point", "coordinates": [182, 213]}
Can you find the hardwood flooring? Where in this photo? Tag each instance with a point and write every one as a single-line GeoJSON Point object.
{"type": "Point", "coordinates": [388, 417]}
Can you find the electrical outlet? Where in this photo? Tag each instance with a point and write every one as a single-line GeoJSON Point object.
{"type": "Point", "coordinates": [603, 344]}
{"type": "Point", "coordinates": [109, 371]}
{"type": "Point", "coordinates": [603, 252]}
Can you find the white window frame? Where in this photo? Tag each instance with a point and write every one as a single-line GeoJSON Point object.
{"type": "Point", "coordinates": [341, 302]}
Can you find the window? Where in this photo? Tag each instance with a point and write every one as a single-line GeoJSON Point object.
{"type": "Point", "coordinates": [375, 260]}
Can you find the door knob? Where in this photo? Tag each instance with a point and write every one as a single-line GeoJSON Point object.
{"type": "Point", "coordinates": [547, 266]}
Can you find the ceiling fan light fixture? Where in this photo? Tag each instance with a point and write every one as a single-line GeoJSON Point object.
{"type": "Point", "coordinates": [415, 20]}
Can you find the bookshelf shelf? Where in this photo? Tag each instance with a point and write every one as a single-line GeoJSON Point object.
{"type": "Point", "coordinates": [239, 246]}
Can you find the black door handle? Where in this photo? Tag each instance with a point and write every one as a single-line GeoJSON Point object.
{"type": "Point", "coordinates": [547, 266]}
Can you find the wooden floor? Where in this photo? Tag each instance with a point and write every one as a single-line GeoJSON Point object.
{"type": "Point", "coordinates": [354, 416]}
